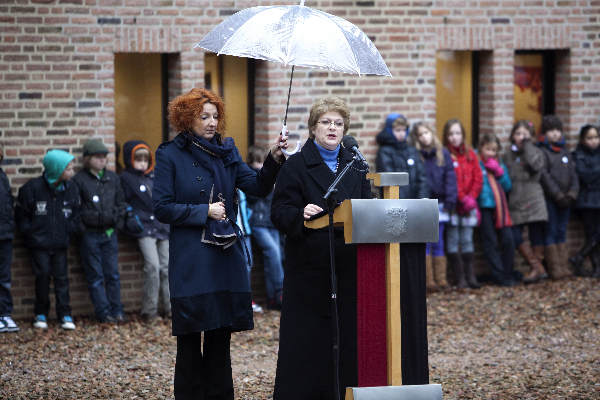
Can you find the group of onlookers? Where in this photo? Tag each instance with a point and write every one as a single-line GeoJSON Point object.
{"type": "Point", "coordinates": [532, 185]}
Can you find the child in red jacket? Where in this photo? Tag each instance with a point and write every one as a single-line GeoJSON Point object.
{"type": "Point", "coordinates": [459, 239]}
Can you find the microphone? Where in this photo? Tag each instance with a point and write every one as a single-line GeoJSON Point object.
{"type": "Point", "coordinates": [348, 142]}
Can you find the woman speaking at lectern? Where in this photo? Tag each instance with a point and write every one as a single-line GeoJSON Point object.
{"type": "Point", "coordinates": [305, 362]}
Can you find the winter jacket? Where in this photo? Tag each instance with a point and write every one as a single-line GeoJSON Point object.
{"type": "Point", "coordinates": [441, 178]}
{"type": "Point", "coordinates": [209, 284]}
{"type": "Point", "coordinates": [47, 216]}
{"type": "Point", "coordinates": [396, 156]}
{"type": "Point", "coordinates": [486, 196]}
{"type": "Point", "coordinates": [137, 189]}
{"type": "Point", "coordinates": [526, 200]}
{"type": "Point", "coordinates": [261, 210]}
{"type": "Point", "coordinates": [587, 166]}
{"type": "Point", "coordinates": [559, 178]}
{"type": "Point", "coordinates": [306, 314]}
{"type": "Point", "coordinates": [469, 179]}
{"type": "Point", "coordinates": [102, 200]}
{"type": "Point", "coordinates": [7, 219]}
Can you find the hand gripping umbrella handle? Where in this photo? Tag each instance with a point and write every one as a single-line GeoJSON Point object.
{"type": "Point", "coordinates": [284, 151]}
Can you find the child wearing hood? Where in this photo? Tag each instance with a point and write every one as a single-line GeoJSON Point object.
{"type": "Point", "coordinates": [47, 214]}
{"type": "Point", "coordinates": [561, 186]}
{"type": "Point", "coordinates": [137, 181]}
{"type": "Point", "coordinates": [396, 155]}
{"type": "Point", "coordinates": [7, 226]}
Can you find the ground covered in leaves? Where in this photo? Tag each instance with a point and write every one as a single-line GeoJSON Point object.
{"type": "Point", "coordinates": [536, 342]}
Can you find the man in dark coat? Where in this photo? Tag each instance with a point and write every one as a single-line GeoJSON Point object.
{"type": "Point", "coordinates": [396, 155]}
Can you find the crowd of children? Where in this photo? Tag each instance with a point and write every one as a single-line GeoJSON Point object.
{"type": "Point", "coordinates": [530, 186]}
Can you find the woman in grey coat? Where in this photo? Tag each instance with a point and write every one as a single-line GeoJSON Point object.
{"type": "Point", "coordinates": [526, 200]}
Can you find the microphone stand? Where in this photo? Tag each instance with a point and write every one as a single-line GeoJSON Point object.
{"type": "Point", "coordinates": [334, 309]}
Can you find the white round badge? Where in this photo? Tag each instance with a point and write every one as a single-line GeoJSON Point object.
{"type": "Point", "coordinates": [455, 164]}
{"type": "Point", "coordinates": [410, 161]}
{"type": "Point", "coordinates": [142, 188]}
{"type": "Point", "coordinates": [95, 199]}
{"type": "Point", "coordinates": [565, 160]}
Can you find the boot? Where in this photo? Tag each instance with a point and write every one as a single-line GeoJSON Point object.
{"type": "Point", "coordinates": [429, 275]}
{"type": "Point", "coordinates": [577, 260]}
{"type": "Point", "coordinates": [595, 256]}
{"type": "Point", "coordinates": [470, 271]}
{"type": "Point", "coordinates": [456, 261]}
{"type": "Point", "coordinates": [563, 259]}
{"type": "Point", "coordinates": [537, 271]}
{"type": "Point", "coordinates": [538, 252]}
{"type": "Point", "coordinates": [553, 262]}
{"type": "Point", "coordinates": [439, 269]}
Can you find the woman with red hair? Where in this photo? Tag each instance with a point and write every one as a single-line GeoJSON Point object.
{"type": "Point", "coordinates": [196, 178]}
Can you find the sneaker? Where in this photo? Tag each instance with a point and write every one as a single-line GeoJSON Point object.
{"type": "Point", "coordinates": [8, 325]}
{"type": "Point", "coordinates": [40, 322]}
{"type": "Point", "coordinates": [67, 323]}
{"type": "Point", "coordinates": [256, 308]}
{"type": "Point", "coordinates": [108, 319]}
{"type": "Point", "coordinates": [120, 318]}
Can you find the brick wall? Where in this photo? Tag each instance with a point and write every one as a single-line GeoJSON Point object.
{"type": "Point", "coordinates": [57, 78]}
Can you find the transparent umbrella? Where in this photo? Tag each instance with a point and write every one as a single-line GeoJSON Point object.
{"type": "Point", "coordinates": [297, 36]}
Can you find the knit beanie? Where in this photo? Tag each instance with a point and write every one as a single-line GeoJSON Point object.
{"type": "Point", "coordinates": [55, 162]}
{"type": "Point", "coordinates": [94, 146]}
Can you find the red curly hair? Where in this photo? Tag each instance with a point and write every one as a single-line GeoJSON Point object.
{"type": "Point", "coordinates": [184, 109]}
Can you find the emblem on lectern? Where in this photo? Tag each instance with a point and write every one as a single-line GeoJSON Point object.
{"type": "Point", "coordinates": [395, 223]}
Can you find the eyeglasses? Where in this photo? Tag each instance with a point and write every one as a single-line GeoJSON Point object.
{"type": "Point", "coordinates": [327, 123]}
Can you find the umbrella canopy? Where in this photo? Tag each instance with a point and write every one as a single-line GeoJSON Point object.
{"type": "Point", "coordinates": [298, 36]}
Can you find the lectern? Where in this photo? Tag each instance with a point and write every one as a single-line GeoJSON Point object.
{"type": "Point", "coordinates": [378, 226]}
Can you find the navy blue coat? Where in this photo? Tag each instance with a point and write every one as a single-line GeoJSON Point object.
{"type": "Point", "coordinates": [587, 166]}
{"type": "Point", "coordinates": [209, 284]}
{"type": "Point", "coordinates": [441, 178]}
{"type": "Point", "coordinates": [137, 188]}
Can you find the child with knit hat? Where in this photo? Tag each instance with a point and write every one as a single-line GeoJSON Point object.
{"type": "Point", "coordinates": [103, 209]}
{"type": "Point", "coordinates": [47, 214]}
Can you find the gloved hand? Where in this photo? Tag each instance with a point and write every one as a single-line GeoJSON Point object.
{"type": "Point", "coordinates": [492, 165]}
{"type": "Point", "coordinates": [468, 203]}
{"type": "Point", "coordinates": [563, 201]}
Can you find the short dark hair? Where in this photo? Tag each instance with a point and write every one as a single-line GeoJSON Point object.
{"type": "Point", "coordinates": [584, 130]}
{"type": "Point", "coordinates": [490, 138]}
{"type": "Point", "coordinates": [256, 154]}
{"type": "Point", "coordinates": [551, 122]}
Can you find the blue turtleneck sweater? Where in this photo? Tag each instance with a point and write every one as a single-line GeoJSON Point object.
{"type": "Point", "coordinates": [329, 156]}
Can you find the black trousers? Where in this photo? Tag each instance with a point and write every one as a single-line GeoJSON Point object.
{"type": "Point", "coordinates": [47, 265]}
{"type": "Point", "coordinates": [6, 304]}
{"type": "Point", "coordinates": [204, 373]}
{"type": "Point", "coordinates": [501, 259]}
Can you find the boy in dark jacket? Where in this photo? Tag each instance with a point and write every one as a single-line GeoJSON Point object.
{"type": "Point", "coordinates": [7, 226]}
{"type": "Point", "coordinates": [137, 181]}
{"type": "Point", "coordinates": [47, 214]}
{"type": "Point", "coordinates": [561, 187]}
{"type": "Point", "coordinates": [265, 235]}
{"type": "Point", "coordinates": [396, 155]}
{"type": "Point", "coordinates": [102, 210]}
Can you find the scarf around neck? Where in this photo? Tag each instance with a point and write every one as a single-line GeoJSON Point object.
{"type": "Point", "coordinates": [501, 213]}
{"type": "Point", "coordinates": [218, 233]}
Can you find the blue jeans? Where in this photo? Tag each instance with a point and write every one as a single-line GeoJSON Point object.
{"type": "Point", "coordinates": [6, 304]}
{"type": "Point", "coordinates": [556, 228]}
{"type": "Point", "coordinates": [268, 241]}
{"type": "Point", "coordinates": [437, 249]}
{"type": "Point", "coordinates": [459, 239]}
{"type": "Point", "coordinates": [99, 256]}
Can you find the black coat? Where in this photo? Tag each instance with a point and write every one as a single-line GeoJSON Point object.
{"type": "Point", "coordinates": [208, 284]}
{"type": "Point", "coordinates": [587, 165]}
{"type": "Point", "coordinates": [304, 366]}
{"type": "Point", "coordinates": [102, 200]}
{"type": "Point", "coordinates": [395, 156]}
{"type": "Point", "coordinates": [7, 219]}
{"type": "Point", "coordinates": [558, 176]}
{"type": "Point", "coordinates": [137, 189]}
{"type": "Point", "coordinates": [47, 217]}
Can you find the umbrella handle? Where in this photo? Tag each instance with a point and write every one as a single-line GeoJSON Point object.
{"type": "Point", "coordinates": [284, 151]}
